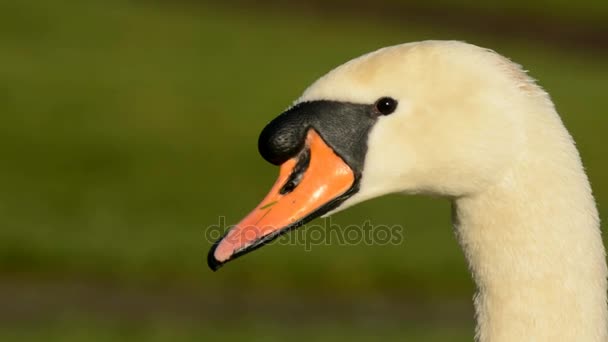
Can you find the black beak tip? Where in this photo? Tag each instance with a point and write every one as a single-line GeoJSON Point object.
{"type": "Point", "coordinates": [212, 262]}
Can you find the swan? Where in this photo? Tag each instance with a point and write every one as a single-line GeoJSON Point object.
{"type": "Point", "coordinates": [450, 119]}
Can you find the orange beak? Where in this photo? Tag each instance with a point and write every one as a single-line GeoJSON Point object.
{"type": "Point", "coordinates": [310, 184]}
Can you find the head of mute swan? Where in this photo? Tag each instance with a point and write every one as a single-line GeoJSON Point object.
{"type": "Point", "coordinates": [455, 120]}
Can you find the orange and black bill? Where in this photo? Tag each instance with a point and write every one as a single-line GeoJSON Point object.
{"type": "Point", "coordinates": [320, 147]}
{"type": "Point", "coordinates": [307, 186]}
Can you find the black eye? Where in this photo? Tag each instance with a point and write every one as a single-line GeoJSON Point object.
{"type": "Point", "coordinates": [386, 105]}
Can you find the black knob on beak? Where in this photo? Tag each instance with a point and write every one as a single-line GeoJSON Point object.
{"type": "Point", "coordinates": [283, 138]}
{"type": "Point", "coordinates": [343, 126]}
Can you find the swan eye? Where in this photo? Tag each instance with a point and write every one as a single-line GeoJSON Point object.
{"type": "Point", "coordinates": [386, 105]}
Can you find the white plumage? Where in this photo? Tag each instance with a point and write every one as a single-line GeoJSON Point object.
{"type": "Point", "coordinates": [473, 127]}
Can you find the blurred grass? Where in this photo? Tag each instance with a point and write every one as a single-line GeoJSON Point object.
{"type": "Point", "coordinates": [79, 330]}
{"type": "Point", "coordinates": [592, 12]}
{"type": "Point", "coordinates": [127, 128]}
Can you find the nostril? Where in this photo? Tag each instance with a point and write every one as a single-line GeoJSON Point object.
{"type": "Point", "coordinates": [298, 172]}
{"type": "Point", "coordinates": [287, 188]}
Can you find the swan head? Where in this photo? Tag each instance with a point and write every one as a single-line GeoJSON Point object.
{"type": "Point", "coordinates": [440, 118]}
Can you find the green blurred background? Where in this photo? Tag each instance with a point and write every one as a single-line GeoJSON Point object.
{"type": "Point", "coordinates": [129, 127]}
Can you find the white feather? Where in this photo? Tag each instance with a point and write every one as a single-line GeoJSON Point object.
{"type": "Point", "coordinates": [473, 127]}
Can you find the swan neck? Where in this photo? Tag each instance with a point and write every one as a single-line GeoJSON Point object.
{"type": "Point", "coordinates": [534, 248]}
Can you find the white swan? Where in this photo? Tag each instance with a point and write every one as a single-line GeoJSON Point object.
{"type": "Point", "coordinates": [455, 120]}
